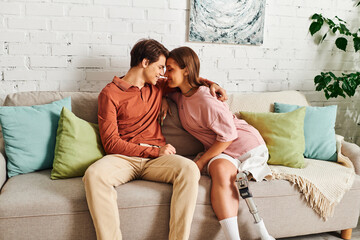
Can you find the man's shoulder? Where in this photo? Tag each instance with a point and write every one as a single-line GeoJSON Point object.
{"type": "Point", "coordinates": [109, 90]}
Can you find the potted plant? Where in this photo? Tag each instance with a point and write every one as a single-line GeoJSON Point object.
{"type": "Point", "coordinates": [332, 85]}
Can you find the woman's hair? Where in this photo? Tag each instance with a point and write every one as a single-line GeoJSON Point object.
{"type": "Point", "coordinates": [185, 57]}
{"type": "Point", "coordinates": [149, 49]}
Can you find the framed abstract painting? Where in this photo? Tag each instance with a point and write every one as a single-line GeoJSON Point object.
{"type": "Point", "coordinates": [227, 21]}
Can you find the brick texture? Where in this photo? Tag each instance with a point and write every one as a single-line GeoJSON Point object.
{"type": "Point", "coordinates": [78, 45]}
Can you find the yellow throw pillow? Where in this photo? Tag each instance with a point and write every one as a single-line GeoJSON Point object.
{"type": "Point", "coordinates": [283, 134]}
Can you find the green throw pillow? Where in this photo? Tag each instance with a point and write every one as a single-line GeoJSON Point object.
{"type": "Point", "coordinates": [29, 134]}
{"type": "Point", "coordinates": [78, 145]}
{"type": "Point", "coordinates": [319, 130]}
{"type": "Point", "coordinates": [283, 134]}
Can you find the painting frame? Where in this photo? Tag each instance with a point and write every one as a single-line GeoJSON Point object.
{"type": "Point", "coordinates": [227, 21]}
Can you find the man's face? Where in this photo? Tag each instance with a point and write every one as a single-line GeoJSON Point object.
{"type": "Point", "coordinates": [155, 70]}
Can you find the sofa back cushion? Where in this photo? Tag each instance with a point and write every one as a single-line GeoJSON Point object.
{"type": "Point", "coordinates": [30, 133]}
{"type": "Point", "coordinates": [184, 143]}
{"type": "Point", "coordinates": [83, 104]}
{"type": "Point", "coordinates": [264, 101]}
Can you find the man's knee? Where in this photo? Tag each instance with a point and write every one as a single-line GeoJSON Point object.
{"type": "Point", "coordinates": [93, 173]}
{"type": "Point", "coordinates": [189, 170]}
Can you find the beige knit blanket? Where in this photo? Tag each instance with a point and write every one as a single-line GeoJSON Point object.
{"type": "Point", "coordinates": [323, 183]}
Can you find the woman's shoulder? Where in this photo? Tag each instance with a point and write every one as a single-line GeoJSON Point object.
{"type": "Point", "coordinates": [204, 91]}
{"type": "Point", "coordinates": [204, 94]}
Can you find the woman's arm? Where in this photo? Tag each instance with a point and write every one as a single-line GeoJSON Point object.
{"type": "Point", "coordinates": [214, 150]}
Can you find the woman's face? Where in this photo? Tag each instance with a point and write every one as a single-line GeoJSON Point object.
{"type": "Point", "coordinates": [175, 75]}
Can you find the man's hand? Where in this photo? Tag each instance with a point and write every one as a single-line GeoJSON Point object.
{"type": "Point", "coordinates": [168, 149]}
{"type": "Point", "coordinates": [218, 92]}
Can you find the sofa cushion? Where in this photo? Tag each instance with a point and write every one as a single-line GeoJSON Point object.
{"type": "Point", "coordinates": [264, 101]}
{"type": "Point", "coordinates": [78, 145]}
{"type": "Point", "coordinates": [29, 133]}
{"type": "Point", "coordinates": [319, 130]}
{"type": "Point", "coordinates": [35, 194]}
{"type": "Point", "coordinates": [83, 104]}
{"type": "Point", "coordinates": [184, 143]}
{"type": "Point", "coordinates": [283, 134]}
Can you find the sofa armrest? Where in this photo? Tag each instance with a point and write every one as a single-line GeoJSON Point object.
{"type": "Point", "coordinates": [352, 151]}
{"type": "Point", "coordinates": [2, 170]}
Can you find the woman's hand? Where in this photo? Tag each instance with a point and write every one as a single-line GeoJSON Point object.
{"type": "Point", "coordinates": [165, 108]}
{"type": "Point", "coordinates": [201, 165]}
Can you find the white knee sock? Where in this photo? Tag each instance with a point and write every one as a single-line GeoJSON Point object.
{"type": "Point", "coordinates": [230, 228]}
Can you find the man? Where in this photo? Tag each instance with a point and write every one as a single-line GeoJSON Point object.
{"type": "Point", "coordinates": [127, 111]}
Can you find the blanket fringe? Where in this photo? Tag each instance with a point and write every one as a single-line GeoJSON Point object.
{"type": "Point", "coordinates": [315, 199]}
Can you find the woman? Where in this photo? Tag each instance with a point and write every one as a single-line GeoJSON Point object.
{"type": "Point", "coordinates": [231, 145]}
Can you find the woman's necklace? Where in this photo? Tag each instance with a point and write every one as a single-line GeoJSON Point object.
{"type": "Point", "coordinates": [188, 91]}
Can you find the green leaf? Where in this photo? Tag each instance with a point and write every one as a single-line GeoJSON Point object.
{"type": "Point", "coordinates": [315, 26]}
{"type": "Point", "coordinates": [326, 94]}
{"type": "Point", "coordinates": [356, 43]}
{"type": "Point", "coordinates": [341, 28]}
{"type": "Point", "coordinates": [337, 90]}
{"type": "Point", "coordinates": [318, 79]}
{"type": "Point", "coordinates": [341, 43]}
{"type": "Point", "coordinates": [347, 88]}
{"type": "Point", "coordinates": [332, 75]}
{"type": "Point", "coordinates": [316, 16]}
{"type": "Point", "coordinates": [327, 80]}
{"type": "Point", "coordinates": [340, 19]}
{"type": "Point", "coordinates": [319, 87]}
{"type": "Point", "coordinates": [323, 38]}
{"type": "Point", "coordinates": [330, 22]}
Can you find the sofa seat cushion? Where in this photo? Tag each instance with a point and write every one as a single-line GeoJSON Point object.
{"type": "Point", "coordinates": [35, 194]}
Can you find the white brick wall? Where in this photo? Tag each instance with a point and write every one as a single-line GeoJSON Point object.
{"type": "Point", "coordinates": [78, 45]}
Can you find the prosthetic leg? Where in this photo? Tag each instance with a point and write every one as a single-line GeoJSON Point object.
{"type": "Point", "coordinates": [242, 184]}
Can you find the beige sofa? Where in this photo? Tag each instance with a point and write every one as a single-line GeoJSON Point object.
{"type": "Point", "coordinates": [32, 206]}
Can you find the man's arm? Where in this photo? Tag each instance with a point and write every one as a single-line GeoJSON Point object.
{"type": "Point", "coordinates": [215, 89]}
{"type": "Point", "coordinates": [110, 137]}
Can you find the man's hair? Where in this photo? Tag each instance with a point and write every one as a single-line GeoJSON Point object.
{"type": "Point", "coordinates": [149, 49]}
{"type": "Point", "coordinates": [185, 57]}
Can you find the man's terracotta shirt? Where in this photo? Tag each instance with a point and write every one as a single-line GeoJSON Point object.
{"type": "Point", "coordinates": [128, 115]}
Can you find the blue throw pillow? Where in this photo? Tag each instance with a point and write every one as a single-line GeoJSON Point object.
{"type": "Point", "coordinates": [30, 134]}
{"type": "Point", "coordinates": [319, 130]}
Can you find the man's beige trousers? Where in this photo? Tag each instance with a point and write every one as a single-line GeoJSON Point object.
{"type": "Point", "coordinates": [104, 175]}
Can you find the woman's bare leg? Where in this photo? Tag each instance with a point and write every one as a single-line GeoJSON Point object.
{"type": "Point", "coordinates": [224, 193]}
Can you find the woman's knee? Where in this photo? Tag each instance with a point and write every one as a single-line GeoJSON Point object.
{"type": "Point", "coordinates": [222, 170]}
